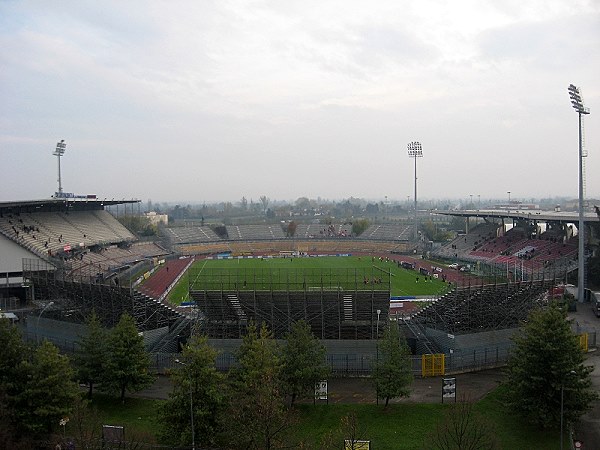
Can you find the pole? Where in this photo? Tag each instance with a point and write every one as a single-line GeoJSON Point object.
{"type": "Point", "coordinates": [562, 394]}
{"type": "Point", "coordinates": [577, 103]}
{"type": "Point", "coordinates": [37, 326]}
{"type": "Point", "coordinates": [377, 350]}
{"type": "Point", "coordinates": [192, 415]}
{"type": "Point", "coordinates": [191, 405]}
{"type": "Point", "coordinates": [416, 219]}
{"type": "Point", "coordinates": [59, 177]}
{"type": "Point", "coordinates": [581, 231]}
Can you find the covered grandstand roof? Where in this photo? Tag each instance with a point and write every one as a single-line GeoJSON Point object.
{"type": "Point", "coordinates": [531, 214]}
{"type": "Point", "coordinates": [54, 202]}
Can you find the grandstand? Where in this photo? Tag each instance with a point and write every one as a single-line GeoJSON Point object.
{"type": "Point", "coordinates": [388, 232]}
{"type": "Point", "coordinates": [336, 304]}
{"type": "Point", "coordinates": [74, 255]}
{"type": "Point", "coordinates": [473, 325]}
{"type": "Point", "coordinates": [51, 232]}
{"type": "Point", "coordinates": [186, 235]}
{"type": "Point", "coordinates": [254, 232]}
{"type": "Point", "coordinates": [523, 250]}
{"type": "Point", "coordinates": [488, 307]}
{"type": "Point", "coordinates": [320, 231]}
{"type": "Point", "coordinates": [79, 257]}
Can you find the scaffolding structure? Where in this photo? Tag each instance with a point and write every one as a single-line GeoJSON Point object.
{"type": "Point", "coordinates": [336, 303]}
{"type": "Point", "coordinates": [74, 301]}
{"type": "Point", "coordinates": [475, 309]}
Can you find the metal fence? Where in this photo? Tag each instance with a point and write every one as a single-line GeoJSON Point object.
{"type": "Point", "coordinates": [356, 364]}
{"type": "Point", "coordinates": [345, 358]}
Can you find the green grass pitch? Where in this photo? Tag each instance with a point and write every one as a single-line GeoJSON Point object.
{"type": "Point", "coordinates": [333, 272]}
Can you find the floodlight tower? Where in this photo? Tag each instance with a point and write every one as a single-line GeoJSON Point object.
{"type": "Point", "coordinates": [60, 150]}
{"type": "Point", "coordinates": [577, 102]}
{"type": "Point", "coordinates": [415, 151]}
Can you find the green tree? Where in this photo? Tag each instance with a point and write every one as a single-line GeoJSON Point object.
{"type": "Point", "coordinates": [264, 201]}
{"type": "Point", "coordinates": [13, 351]}
{"type": "Point", "coordinates": [139, 224]}
{"type": "Point", "coordinates": [304, 362]}
{"type": "Point", "coordinates": [128, 362]}
{"type": "Point", "coordinates": [291, 228]}
{"type": "Point", "coordinates": [359, 226]}
{"type": "Point", "coordinates": [258, 416]}
{"type": "Point", "coordinates": [49, 392]}
{"type": "Point", "coordinates": [12, 382]}
{"type": "Point", "coordinates": [196, 380]}
{"type": "Point", "coordinates": [91, 354]}
{"type": "Point", "coordinates": [392, 371]}
{"type": "Point", "coordinates": [458, 224]}
{"type": "Point", "coordinates": [546, 359]}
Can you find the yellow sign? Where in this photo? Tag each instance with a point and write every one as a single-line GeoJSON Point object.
{"type": "Point", "coordinates": [350, 444]}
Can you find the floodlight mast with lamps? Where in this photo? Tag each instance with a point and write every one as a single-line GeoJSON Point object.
{"type": "Point", "coordinates": [415, 151]}
{"type": "Point", "coordinates": [577, 102]}
{"type": "Point", "coordinates": [60, 151]}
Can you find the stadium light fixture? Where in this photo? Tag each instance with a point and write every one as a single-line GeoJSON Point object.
{"type": "Point", "coordinates": [415, 151]}
{"type": "Point", "coordinates": [37, 326]}
{"type": "Point", "coordinates": [577, 103]}
{"type": "Point", "coordinates": [60, 151]}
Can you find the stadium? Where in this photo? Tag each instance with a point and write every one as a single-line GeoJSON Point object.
{"type": "Point", "coordinates": [67, 256]}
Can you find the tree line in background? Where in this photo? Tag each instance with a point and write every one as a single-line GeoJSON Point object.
{"type": "Point", "coordinates": [252, 406]}
{"type": "Point", "coordinates": [342, 209]}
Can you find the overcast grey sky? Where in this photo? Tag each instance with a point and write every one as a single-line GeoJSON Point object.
{"type": "Point", "coordinates": [214, 100]}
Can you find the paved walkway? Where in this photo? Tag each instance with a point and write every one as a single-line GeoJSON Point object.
{"type": "Point", "coordinates": [588, 429]}
{"type": "Point", "coordinates": [360, 390]}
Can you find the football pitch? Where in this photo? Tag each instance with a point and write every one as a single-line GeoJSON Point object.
{"type": "Point", "coordinates": [305, 273]}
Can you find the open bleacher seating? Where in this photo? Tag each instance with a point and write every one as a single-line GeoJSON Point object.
{"type": "Point", "coordinates": [92, 263]}
{"type": "Point", "coordinates": [319, 230]}
{"type": "Point", "coordinates": [186, 235]}
{"type": "Point", "coordinates": [46, 233]}
{"type": "Point", "coordinates": [395, 232]}
{"type": "Point", "coordinates": [515, 249]}
{"type": "Point", "coordinates": [254, 232]}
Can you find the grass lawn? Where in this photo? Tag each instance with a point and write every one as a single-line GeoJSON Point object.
{"type": "Point", "coordinates": [307, 272]}
{"type": "Point", "coordinates": [514, 432]}
{"type": "Point", "coordinates": [400, 426]}
{"type": "Point", "coordinates": [137, 414]}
